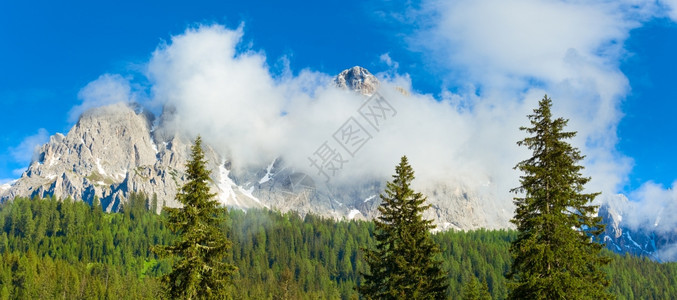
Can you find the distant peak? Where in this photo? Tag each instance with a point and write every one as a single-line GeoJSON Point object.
{"type": "Point", "coordinates": [357, 79]}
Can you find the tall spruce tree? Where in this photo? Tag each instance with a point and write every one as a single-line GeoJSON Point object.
{"type": "Point", "coordinates": [404, 263]}
{"type": "Point", "coordinates": [555, 255]}
{"type": "Point", "coordinates": [201, 271]}
{"type": "Point", "coordinates": [474, 290]}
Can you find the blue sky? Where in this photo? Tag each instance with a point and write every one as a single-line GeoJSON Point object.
{"type": "Point", "coordinates": [648, 129]}
{"type": "Point", "coordinates": [49, 51]}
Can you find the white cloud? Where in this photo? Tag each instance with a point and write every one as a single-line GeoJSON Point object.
{"type": "Point", "coordinates": [504, 55]}
{"type": "Point", "coordinates": [25, 151]}
{"type": "Point", "coordinates": [231, 98]}
{"type": "Point", "coordinates": [386, 59]}
{"type": "Point", "coordinates": [514, 51]}
{"type": "Point", "coordinates": [228, 97]}
{"type": "Point", "coordinates": [569, 49]}
{"type": "Point", "coordinates": [507, 42]}
{"type": "Point", "coordinates": [671, 6]}
{"type": "Point", "coordinates": [18, 172]}
{"type": "Point", "coordinates": [655, 209]}
{"type": "Point", "coordinates": [105, 90]}
{"type": "Point", "coordinates": [4, 181]}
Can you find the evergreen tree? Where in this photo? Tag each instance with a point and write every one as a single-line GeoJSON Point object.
{"type": "Point", "coordinates": [404, 263]}
{"type": "Point", "coordinates": [474, 290]}
{"type": "Point", "coordinates": [555, 255]}
{"type": "Point", "coordinates": [200, 272]}
{"type": "Point", "coordinates": [112, 262]}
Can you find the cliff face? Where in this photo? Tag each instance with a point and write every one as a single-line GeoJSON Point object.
{"type": "Point", "coordinates": [108, 153]}
{"type": "Point", "coordinates": [115, 150]}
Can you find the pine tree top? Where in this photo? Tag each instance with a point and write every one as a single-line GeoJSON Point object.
{"type": "Point", "coordinates": [404, 264]}
{"type": "Point", "coordinates": [556, 255]}
{"type": "Point", "coordinates": [201, 271]}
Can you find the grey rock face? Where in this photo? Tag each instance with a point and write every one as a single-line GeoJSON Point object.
{"type": "Point", "coordinates": [455, 206]}
{"type": "Point", "coordinates": [115, 150]}
{"type": "Point", "coordinates": [107, 154]}
{"type": "Point", "coordinates": [357, 79]}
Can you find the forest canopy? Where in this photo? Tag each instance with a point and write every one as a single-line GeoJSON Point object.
{"type": "Point", "coordinates": [99, 255]}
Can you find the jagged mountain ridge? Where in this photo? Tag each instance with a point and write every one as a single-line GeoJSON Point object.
{"type": "Point", "coordinates": [108, 153]}
{"type": "Point", "coordinates": [621, 237]}
{"type": "Point", "coordinates": [357, 79]}
{"type": "Point", "coordinates": [115, 150]}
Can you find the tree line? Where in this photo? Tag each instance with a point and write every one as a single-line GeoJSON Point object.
{"type": "Point", "coordinates": [203, 251]}
{"type": "Point", "coordinates": [278, 256]}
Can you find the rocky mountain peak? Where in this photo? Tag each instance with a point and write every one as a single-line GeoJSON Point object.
{"type": "Point", "coordinates": [357, 79]}
{"type": "Point", "coordinates": [115, 150]}
{"type": "Point", "coordinates": [95, 158]}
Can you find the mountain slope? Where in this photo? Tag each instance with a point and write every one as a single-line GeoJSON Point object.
{"type": "Point", "coordinates": [621, 236]}
{"type": "Point", "coordinates": [115, 150]}
{"type": "Point", "coordinates": [108, 153]}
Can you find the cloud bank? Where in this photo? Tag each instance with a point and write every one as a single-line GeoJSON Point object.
{"type": "Point", "coordinates": [653, 209]}
{"type": "Point", "coordinates": [233, 100]}
{"type": "Point", "coordinates": [499, 58]}
{"type": "Point", "coordinates": [512, 51]}
{"type": "Point", "coordinates": [25, 151]}
{"type": "Point", "coordinates": [105, 90]}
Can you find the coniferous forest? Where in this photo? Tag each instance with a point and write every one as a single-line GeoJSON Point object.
{"type": "Point", "coordinates": [63, 249]}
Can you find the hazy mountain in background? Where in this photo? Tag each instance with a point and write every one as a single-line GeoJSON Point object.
{"type": "Point", "coordinates": [656, 240]}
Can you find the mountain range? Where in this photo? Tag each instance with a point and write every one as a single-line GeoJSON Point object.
{"type": "Point", "coordinates": [118, 149]}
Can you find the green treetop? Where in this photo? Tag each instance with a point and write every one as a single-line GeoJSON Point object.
{"type": "Point", "coordinates": [555, 255]}
{"type": "Point", "coordinates": [200, 271]}
{"type": "Point", "coordinates": [404, 264]}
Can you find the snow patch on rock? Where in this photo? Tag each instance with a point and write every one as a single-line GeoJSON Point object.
{"type": "Point", "coordinates": [631, 240]}
{"type": "Point", "coordinates": [369, 198]}
{"type": "Point", "coordinates": [121, 175]}
{"type": "Point", "coordinates": [226, 193]}
{"type": "Point", "coordinates": [99, 168]}
{"type": "Point", "coordinates": [268, 175]}
{"type": "Point", "coordinates": [154, 146]}
{"type": "Point", "coordinates": [54, 160]}
{"type": "Point", "coordinates": [444, 227]}
{"type": "Point", "coordinates": [353, 213]}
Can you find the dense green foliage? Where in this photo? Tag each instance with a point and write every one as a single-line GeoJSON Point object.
{"type": "Point", "coordinates": [554, 256]}
{"type": "Point", "coordinates": [72, 251]}
{"type": "Point", "coordinates": [201, 271]}
{"type": "Point", "coordinates": [404, 263]}
{"type": "Point", "coordinates": [474, 290]}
